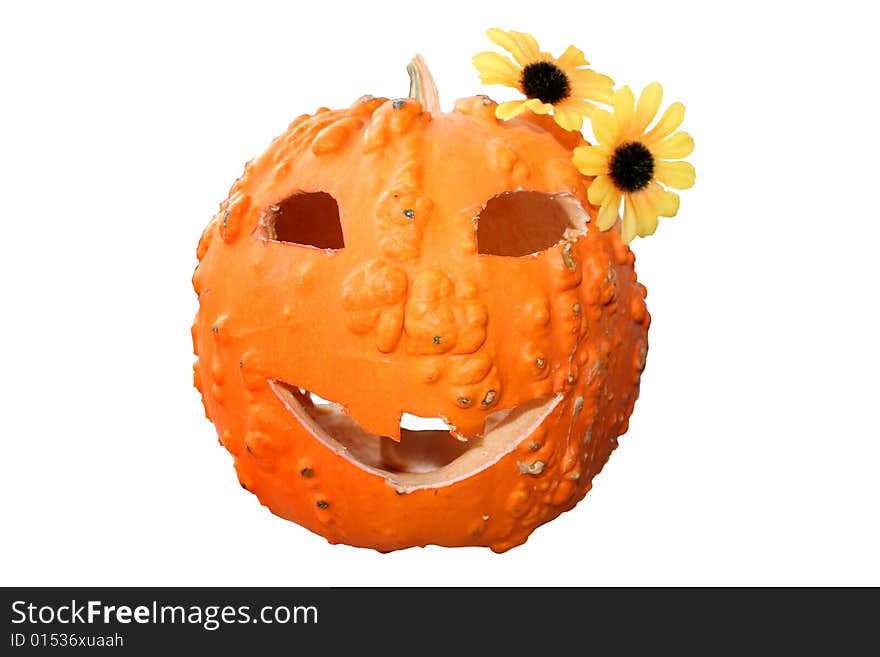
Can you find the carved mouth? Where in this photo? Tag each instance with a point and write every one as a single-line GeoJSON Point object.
{"type": "Point", "coordinates": [428, 454]}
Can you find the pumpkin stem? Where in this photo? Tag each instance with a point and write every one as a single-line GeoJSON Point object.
{"type": "Point", "coordinates": [422, 86]}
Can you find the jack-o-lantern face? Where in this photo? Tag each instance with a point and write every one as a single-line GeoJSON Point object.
{"type": "Point", "coordinates": [409, 332]}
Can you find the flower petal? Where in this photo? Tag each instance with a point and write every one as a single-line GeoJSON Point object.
{"type": "Point", "coordinates": [571, 58]}
{"type": "Point", "coordinates": [671, 119]}
{"type": "Point", "coordinates": [680, 175]}
{"type": "Point", "coordinates": [599, 190]}
{"type": "Point", "coordinates": [590, 161]}
{"type": "Point", "coordinates": [497, 69]}
{"type": "Point", "coordinates": [645, 207]}
{"type": "Point", "coordinates": [665, 202]}
{"type": "Point", "coordinates": [538, 106]}
{"type": "Point", "coordinates": [679, 145]}
{"type": "Point", "coordinates": [628, 229]}
{"type": "Point", "coordinates": [567, 117]}
{"type": "Point", "coordinates": [624, 101]}
{"type": "Point", "coordinates": [604, 127]}
{"type": "Point", "coordinates": [583, 107]}
{"type": "Point", "coordinates": [646, 110]}
{"type": "Point", "coordinates": [506, 111]}
{"type": "Point", "coordinates": [529, 45]}
{"type": "Point", "coordinates": [509, 41]}
{"type": "Point", "coordinates": [608, 212]}
{"type": "Point", "coordinates": [588, 84]}
{"type": "Point", "coordinates": [668, 204]}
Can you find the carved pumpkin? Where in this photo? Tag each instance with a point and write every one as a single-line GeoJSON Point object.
{"type": "Point", "coordinates": [388, 262]}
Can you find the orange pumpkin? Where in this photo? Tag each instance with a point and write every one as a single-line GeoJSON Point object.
{"type": "Point", "coordinates": [388, 262]}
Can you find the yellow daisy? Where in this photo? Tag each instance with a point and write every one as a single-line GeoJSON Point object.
{"type": "Point", "coordinates": [633, 164]}
{"type": "Point", "coordinates": [560, 85]}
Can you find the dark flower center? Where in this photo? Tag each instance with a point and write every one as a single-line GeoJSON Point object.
{"type": "Point", "coordinates": [632, 166]}
{"type": "Point", "coordinates": [545, 81]}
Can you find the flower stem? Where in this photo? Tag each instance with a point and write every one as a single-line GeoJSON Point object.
{"type": "Point", "coordinates": [422, 86]}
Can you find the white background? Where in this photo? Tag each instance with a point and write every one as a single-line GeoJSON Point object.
{"type": "Point", "coordinates": [753, 453]}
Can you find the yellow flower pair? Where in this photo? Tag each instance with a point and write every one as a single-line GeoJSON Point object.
{"type": "Point", "coordinates": [630, 162]}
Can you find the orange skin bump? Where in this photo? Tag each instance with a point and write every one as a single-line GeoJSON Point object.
{"type": "Point", "coordinates": [359, 325]}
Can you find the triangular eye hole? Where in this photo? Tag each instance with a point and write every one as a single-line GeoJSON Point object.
{"type": "Point", "coordinates": [304, 218]}
{"type": "Point", "coordinates": [520, 223]}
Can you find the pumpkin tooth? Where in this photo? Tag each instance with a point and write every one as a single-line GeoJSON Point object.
{"type": "Point", "coordinates": [418, 423]}
{"type": "Point", "coordinates": [319, 401]}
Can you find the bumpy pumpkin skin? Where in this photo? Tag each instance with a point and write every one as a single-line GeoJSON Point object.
{"type": "Point", "coordinates": [570, 320]}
